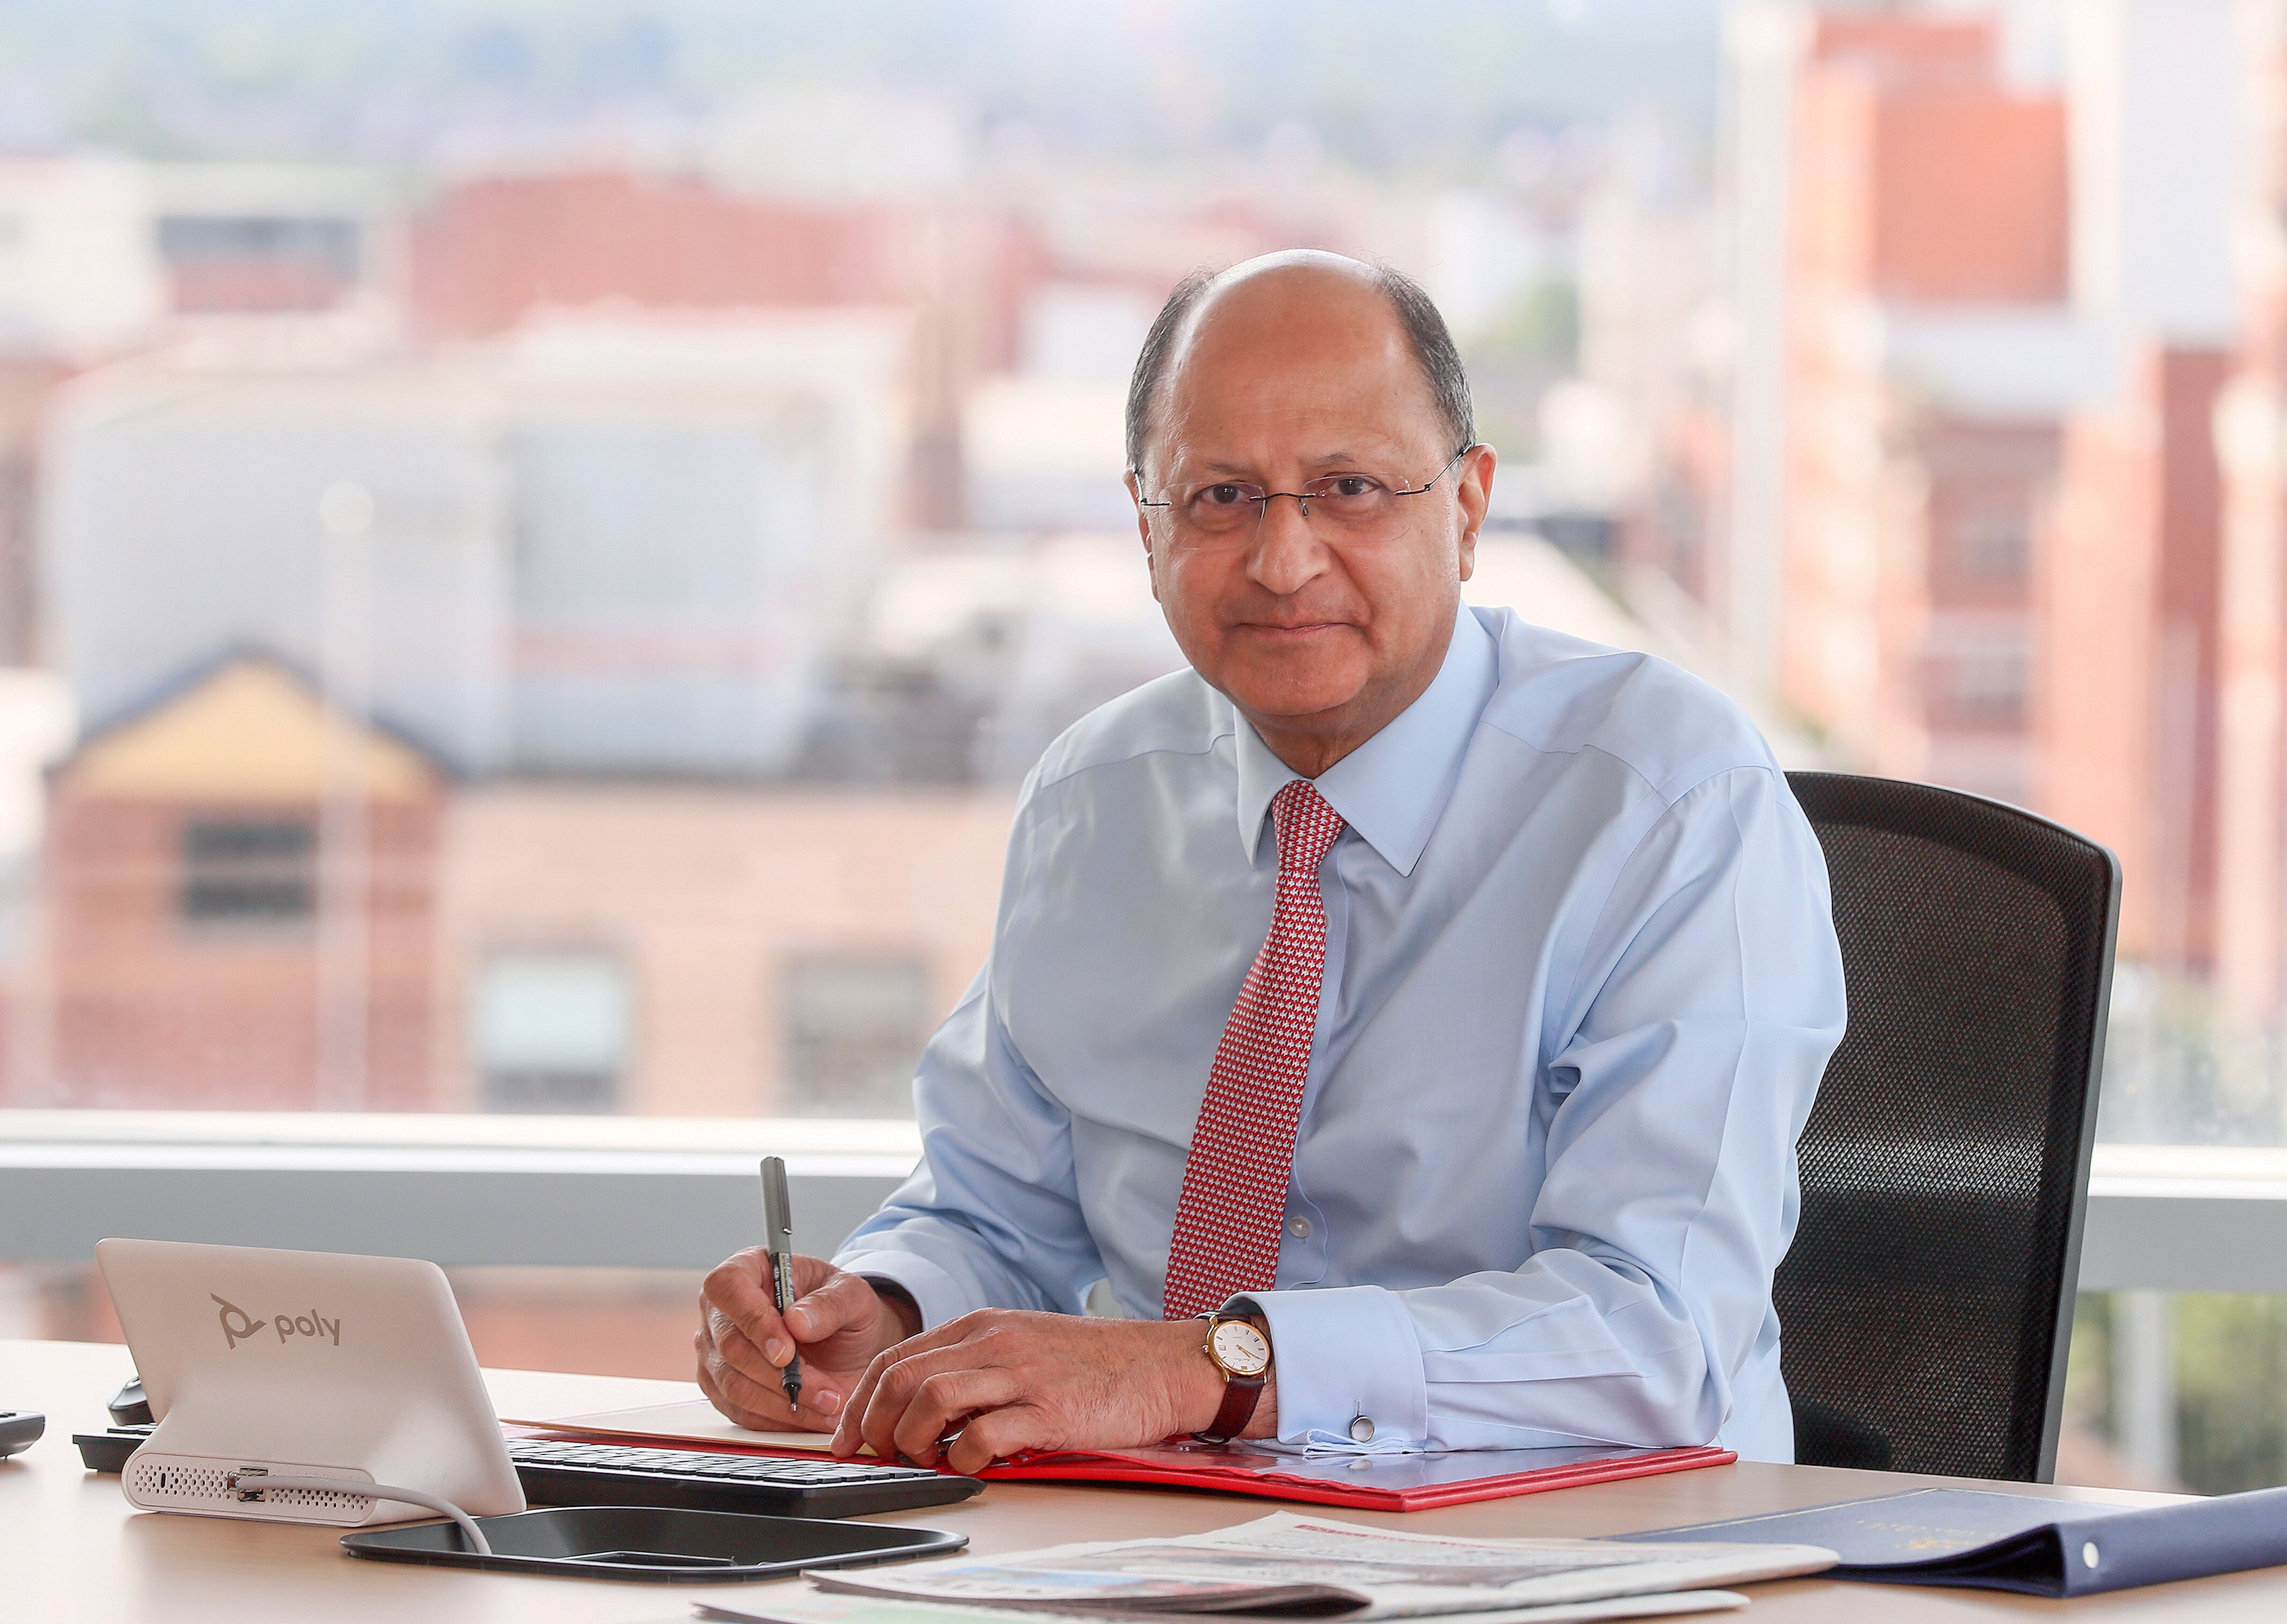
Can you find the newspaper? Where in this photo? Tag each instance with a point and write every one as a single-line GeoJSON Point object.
{"type": "Point", "coordinates": [1290, 1564]}
{"type": "Point", "coordinates": [787, 1606]}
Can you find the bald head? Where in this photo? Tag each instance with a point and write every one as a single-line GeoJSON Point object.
{"type": "Point", "coordinates": [1308, 294]}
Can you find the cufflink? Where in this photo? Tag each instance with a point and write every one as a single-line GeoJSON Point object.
{"type": "Point", "coordinates": [1362, 1429]}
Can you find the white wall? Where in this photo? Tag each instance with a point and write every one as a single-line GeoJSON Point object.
{"type": "Point", "coordinates": [79, 268]}
{"type": "Point", "coordinates": [608, 547]}
{"type": "Point", "coordinates": [2159, 146]}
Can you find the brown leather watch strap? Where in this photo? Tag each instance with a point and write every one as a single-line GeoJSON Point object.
{"type": "Point", "coordinates": [1240, 1395]}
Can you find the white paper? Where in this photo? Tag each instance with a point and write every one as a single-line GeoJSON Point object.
{"type": "Point", "coordinates": [787, 1605]}
{"type": "Point", "coordinates": [695, 1421]}
{"type": "Point", "coordinates": [1289, 1561]}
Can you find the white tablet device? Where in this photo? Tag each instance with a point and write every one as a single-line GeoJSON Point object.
{"type": "Point", "coordinates": [305, 1364]}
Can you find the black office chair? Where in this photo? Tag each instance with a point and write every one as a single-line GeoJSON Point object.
{"type": "Point", "coordinates": [1926, 1305]}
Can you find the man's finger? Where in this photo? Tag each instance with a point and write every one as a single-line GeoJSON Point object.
{"type": "Point", "coordinates": [838, 1302]}
{"type": "Point", "coordinates": [739, 1350]}
{"type": "Point", "coordinates": [743, 1376]}
{"type": "Point", "coordinates": [997, 1434]}
{"type": "Point", "coordinates": [909, 1366]}
{"type": "Point", "coordinates": [942, 1402]}
{"type": "Point", "coordinates": [850, 1434]}
{"type": "Point", "coordinates": [740, 1287]}
{"type": "Point", "coordinates": [723, 1391]}
{"type": "Point", "coordinates": [765, 1398]}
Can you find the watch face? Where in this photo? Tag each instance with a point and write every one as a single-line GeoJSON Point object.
{"type": "Point", "coordinates": [1240, 1348]}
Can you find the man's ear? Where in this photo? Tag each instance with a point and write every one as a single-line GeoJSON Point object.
{"type": "Point", "coordinates": [1143, 526]}
{"type": "Point", "coordinates": [1475, 488]}
{"type": "Point", "coordinates": [1136, 494]}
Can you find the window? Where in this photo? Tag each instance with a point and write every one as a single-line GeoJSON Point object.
{"type": "Point", "coordinates": [732, 404]}
{"type": "Point", "coordinates": [1995, 547]}
{"type": "Point", "coordinates": [552, 1031]}
{"type": "Point", "coordinates": [252, 264]}
{"type": "Point", "coordinates": [257, 873]}
{"type": "Point", "coordinates": [854, 1031]}
{"type": "Point", "coordinates": [328, 242]}
{"type": "Point", "coordinates": [1989, 686]}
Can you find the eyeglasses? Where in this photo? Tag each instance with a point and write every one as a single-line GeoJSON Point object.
{"type": "Point", "coordinates": [1351, 507]}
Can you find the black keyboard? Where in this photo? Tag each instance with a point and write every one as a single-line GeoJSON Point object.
{"type": "Point", "coordinates": [568, 1474]}
{"type": "Point", "coordinates": [561, 1474]}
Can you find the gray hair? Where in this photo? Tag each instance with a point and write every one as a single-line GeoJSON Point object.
{"type": "Point", "coordinates": [1425, 330]}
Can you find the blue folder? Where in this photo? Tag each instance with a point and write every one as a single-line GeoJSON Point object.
{"type": "Point", "coordinates": [2017, 1542]}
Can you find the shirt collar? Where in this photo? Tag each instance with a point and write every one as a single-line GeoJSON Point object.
{"type": "Point", "coordinates": [1392, 788]}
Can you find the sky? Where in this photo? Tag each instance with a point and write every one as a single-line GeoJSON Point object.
{"type": "Point", "coordinates": [1428, 87]}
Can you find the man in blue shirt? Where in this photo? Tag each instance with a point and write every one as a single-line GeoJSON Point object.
{"type": "Point", "coordinates": [1571, 990]}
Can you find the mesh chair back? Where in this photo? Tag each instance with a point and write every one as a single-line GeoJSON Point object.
{"type": "Point", "coordinates": [1927, 1304]}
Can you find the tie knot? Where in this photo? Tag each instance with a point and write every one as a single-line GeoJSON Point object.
{"type": "Point", "coordinates": [1306, 827]}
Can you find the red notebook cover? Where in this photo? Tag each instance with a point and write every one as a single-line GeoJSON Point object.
{"type": "Point", "coordinates": [1364, 1482]}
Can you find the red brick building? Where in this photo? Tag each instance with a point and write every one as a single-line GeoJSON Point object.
{"type": "Point", "coordinates": [247, 904]}
{"type": "Point", "coordinates": [489, 250]}
{"type": "Point", "coordinates": [238, 908]}
{"type": "Point", "coordinates": [1925, 193]}
{"type": "Point", "coordinates": [2005, 560]}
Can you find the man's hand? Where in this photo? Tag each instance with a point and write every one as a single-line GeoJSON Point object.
{"type": "Point", "coordinates": [1010, 1381]}
{"type": "Point", "coordinates": [837, 1324]}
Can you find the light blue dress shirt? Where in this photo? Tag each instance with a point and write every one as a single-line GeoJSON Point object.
{"type": "Point", "coordinates": [1581, 979]}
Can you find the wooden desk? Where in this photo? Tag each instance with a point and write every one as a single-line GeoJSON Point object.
{"type": "Point", "coordinates": [71, 1548]}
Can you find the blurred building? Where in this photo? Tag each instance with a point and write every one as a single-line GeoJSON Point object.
{"type": "Point", "coordinates": [99, 255]}
{"type": "Point", "coordinates": [1968, 515]}
{"type": "Point", "coordinates": [1933, 358]}
{"type": "Point", "coordinates": [26, 385]}
{"type": "Point", "coordinates": [250, 901]}
{"type": "Point", "coordinates": [491, 250]}
{"type": "Point", "coordinates": [2233, 839]}
{"type": "Point", "coordinates": [1645, 264]}
{"type": "Point", "coordinates": [595, 544]}
{"type": "Point", "coordinates": [696, 950]}
{"type": "Point", "coordinates": [1044, 442]}
{"type": "Point", "coordinates": [972, 657]}
{"type": "Point", "coordinates": [238, 908]}
{"type": "Point", "coordinates": [101, 258]}
{"type": "Point", "coordinates": [79, 270]}
{"type": "Point", "coordinates": [2150, 741]}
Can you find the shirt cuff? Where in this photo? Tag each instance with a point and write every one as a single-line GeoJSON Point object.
{"type": "Point", "coordinates": [935, 1292]}
{"type": "Point", "coordinates": [1349, 1369]}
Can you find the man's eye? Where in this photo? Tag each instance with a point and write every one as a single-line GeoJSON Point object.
{"type": "Point", "coordinates": [1224, 495]}
{"type": "Point", "coordinates": [1353, 485]}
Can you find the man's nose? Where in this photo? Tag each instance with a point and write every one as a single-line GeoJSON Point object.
{"type": "Point", "coordinates": [1287, 554]}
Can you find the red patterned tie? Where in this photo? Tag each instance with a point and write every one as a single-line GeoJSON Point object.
{"type": "Point", "coordinates": [1234, 1198]}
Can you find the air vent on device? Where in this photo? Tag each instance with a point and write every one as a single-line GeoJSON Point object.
{"type": "Point", "coordinates": [195, 1483]}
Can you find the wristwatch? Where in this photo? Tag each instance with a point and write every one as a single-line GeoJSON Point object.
{"type": "Point", "coordinates": [1239, 1345]}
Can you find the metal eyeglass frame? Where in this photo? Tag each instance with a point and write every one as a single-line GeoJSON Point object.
{"type": "Point", "coordinates": [1302, 501]}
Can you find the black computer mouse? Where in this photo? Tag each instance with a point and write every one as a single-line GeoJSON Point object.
{"type": "Point", "coordinates": [129, 1407]}
{"type": "Point", "coordinates": [20, 1429]}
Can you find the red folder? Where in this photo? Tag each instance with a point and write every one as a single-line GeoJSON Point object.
{"type": "Point", "coordinates": [1364, 1482]}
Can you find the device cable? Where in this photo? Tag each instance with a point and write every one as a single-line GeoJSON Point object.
{"type": "Point", "coordinates": [251, 1485]}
